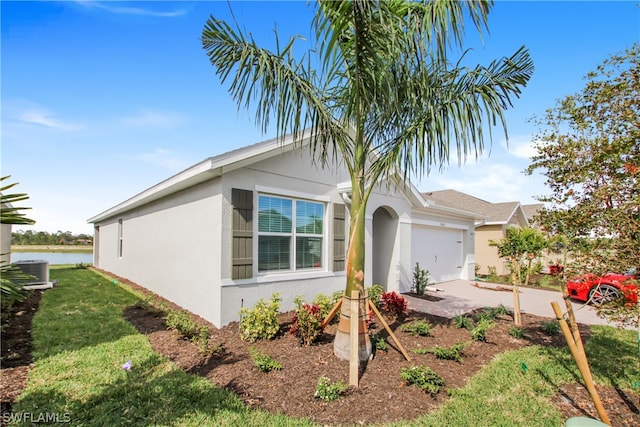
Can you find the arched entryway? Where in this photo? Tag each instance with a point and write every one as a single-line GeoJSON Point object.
{"type": "Point", "coordinates": [384, 252]}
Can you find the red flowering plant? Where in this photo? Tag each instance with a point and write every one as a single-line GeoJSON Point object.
{"type": "Point", "coordinates": [395, 305]}
{"type": "Point", "coordinates": [307, 322]}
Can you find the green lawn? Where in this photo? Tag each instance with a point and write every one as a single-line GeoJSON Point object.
{"type": "Point", "coordinates": [81, 342]}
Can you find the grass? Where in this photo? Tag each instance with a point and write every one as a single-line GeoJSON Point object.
{"type": "Point", "coordinates": [53, 248]}
{"type": "Point", "coordinates": [81, 342]}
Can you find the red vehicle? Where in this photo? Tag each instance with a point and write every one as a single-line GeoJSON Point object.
{"type": "Point", "coordinates": [599, 289]}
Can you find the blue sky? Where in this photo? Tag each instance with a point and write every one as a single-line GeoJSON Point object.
{"type": "Point", "coordinates": [101, 100]}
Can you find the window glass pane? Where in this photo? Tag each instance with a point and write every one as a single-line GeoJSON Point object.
{"type": "Point", "coordinates": [309, 217]}
{"type": "Point", "coordinates": [274, 253]}
{"type": "Point", "coordinates": [308, 252]}
{"type": "Point", "coordinates": [274, 214]}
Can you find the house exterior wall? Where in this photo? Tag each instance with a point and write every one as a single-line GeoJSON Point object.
{"type": "Point", "coordinates": [462, 228]}
{"type": "Point", "coordinates": [170, 247]}
{"type": "Point", "coordinates": [393, 201]}
{"type": "Point", "coordinates": [486, 255]}
{"type": "Point", "coordinates": [5, 242]}
{"type": "Point", "coordinates": [181, 246]}
{"type": "Point", "coordinates": [289, 174]}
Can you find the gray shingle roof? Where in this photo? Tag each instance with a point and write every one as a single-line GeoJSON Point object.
{"type": "Point", "coordinates": [494, 212]}
{"type": "Point", "coordinates": [531, 210]}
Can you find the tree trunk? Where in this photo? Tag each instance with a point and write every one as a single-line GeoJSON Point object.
{"type": "Point", "coordinates": [516, 306]}
{"type": "Point", "coordinates": [515, 278]}
{"type": "Point", "coordinates": [355, 281]}
{"type": "Point", "coordinates": [526, 280]}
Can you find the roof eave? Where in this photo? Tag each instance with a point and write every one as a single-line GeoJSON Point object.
{"type": "Point", "coordinates": [206, 170]}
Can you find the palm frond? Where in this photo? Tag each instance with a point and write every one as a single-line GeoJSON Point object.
{"type": "Point", "coordinates": [10, 214]}
{"type": "Point", "coordinates": [276, 85]}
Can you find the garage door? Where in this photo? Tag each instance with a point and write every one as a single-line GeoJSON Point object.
{"type": "Point", "coordinates": [438, 250]}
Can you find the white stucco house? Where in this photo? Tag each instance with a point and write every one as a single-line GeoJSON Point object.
{"type": "Point", "coordinates": [240, 226]}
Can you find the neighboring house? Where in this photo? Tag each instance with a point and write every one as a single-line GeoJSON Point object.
{"type": "Point", "coordinates": [531, 211]}
{"type": "Point", "coordinates": [495, 219]}
{"type": "Point", "coordinates": [238, 227]}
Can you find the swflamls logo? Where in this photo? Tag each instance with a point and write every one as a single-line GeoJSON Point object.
{"type": "Point", "coordinates": [32, 417]}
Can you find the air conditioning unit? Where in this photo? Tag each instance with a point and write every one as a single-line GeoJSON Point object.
{"type": "Point", "coordinates": [36, 267]}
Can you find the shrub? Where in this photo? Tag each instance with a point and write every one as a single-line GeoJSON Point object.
{"type": "Point", "coordinates": [379, 342]}
{"type": "Point", "coordinates": [263, 361]}
{"type": "Point", "coordinates": [419, 327]}
{"type": "Point", "coordinates": [202, 341]}
{"type": "Point", "coordinates": [307, 322]}
{"type": "Point", "coordinates": [424, 377]}
{"type": "Point", "coordinates": [516, 332]}
{"type": "Point", "coordinates": [324, 303]}
{"type": "Point", "coordinates": [182, 322]}
{"type": "Point", "coordinates": [394, 304]}
{"type": "Point", "coordinates": [260, 322]}
{"type": "Point", "coordinates": [336, 296]}
{"type": "Point", "coordinates": [486, 314]}
{"type": "Point", "coordinates": [479, 332]}
{"type": "Point", "coordinates": [375, 295]}
{"type": "Point", "coordinates": [550, 327]}
{"type": "Point", "coordinates": [463, 322]}
{"type": "Point", "coordinates": [327, 390]}
{"type": "Point", "coordinates": [420, 351]}
{"type": "Point", "coordinates": [500, 310]}
{"type": "Point", "coordinates": [420, 279]}
{"type": "Point", "coordinates": [452, 353]}
{"type": "Point", "coordinates": [493, 274]}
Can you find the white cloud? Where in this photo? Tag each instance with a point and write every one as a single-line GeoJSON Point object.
{"type": "Point", "coordinates": [521, 146]}
{"type": "Point", "coordinates": [43, 117]}
{"type": "Point", "coordinates": [119, 9]}
{"type": "Point", "coordinates": [492, 181]}
{"type": "Point", "coordinates": [151, 118]}
{"type": "Point", "coordinates": [165, 159]}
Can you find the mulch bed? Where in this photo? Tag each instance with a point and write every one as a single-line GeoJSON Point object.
{"type": "Point", "coordinates": [382, 395]}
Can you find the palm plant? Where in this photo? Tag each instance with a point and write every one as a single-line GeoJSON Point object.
{"type": "Point", "coordinates": [385, 99]}
{"type": "Point", "coordinates": [11, 276]}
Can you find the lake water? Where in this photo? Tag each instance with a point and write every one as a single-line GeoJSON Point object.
{"type": "Point", "coordinates": [54, 257]}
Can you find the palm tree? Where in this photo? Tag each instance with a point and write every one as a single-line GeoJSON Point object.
{"type": "Point", "coordinates": [11, 277]}
{"type": "Point", "coordinates": [385, 96]}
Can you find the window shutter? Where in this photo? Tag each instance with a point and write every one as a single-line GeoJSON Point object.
{"type": "Point", "coordinates": [242, 232]}
{"type": "Point", "coordinates": [339, 248]}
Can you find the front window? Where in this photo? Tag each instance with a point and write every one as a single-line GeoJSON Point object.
{"type": "Point", "coordinates": [290, 234]}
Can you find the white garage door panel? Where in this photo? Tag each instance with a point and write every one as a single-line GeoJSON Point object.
{"type": "Point", "coordinates": [438, 250]}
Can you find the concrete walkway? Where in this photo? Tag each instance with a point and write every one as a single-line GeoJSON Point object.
{"type": "Point", "coordinates": [461, 297]}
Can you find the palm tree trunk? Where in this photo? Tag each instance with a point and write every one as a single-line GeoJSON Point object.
{"type": "Point", "coordinates": [355, 282]}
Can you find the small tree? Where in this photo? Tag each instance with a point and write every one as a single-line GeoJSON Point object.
{"type": "Point", "coordinates": [520, 247]}
{"type": "Point", "coordinates": [534, 243]}
{"type": "Point", "coordinates": [420, 279]}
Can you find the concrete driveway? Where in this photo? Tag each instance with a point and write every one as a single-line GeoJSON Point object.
{"type": "Point", "coordinates": [461, 297]}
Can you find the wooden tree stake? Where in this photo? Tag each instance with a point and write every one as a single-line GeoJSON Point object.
{"type": "Point", "coordinates": [373, 308]}
{"type": "Point", "coordinates": [583, 364]}
{"type": "Point", "coordinates": [332, 313]}
{"type": "Point", "coordinates": [354, 357]}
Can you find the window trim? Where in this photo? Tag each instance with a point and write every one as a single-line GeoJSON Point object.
{"type": "Point", "coordinates": [293, 196]}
